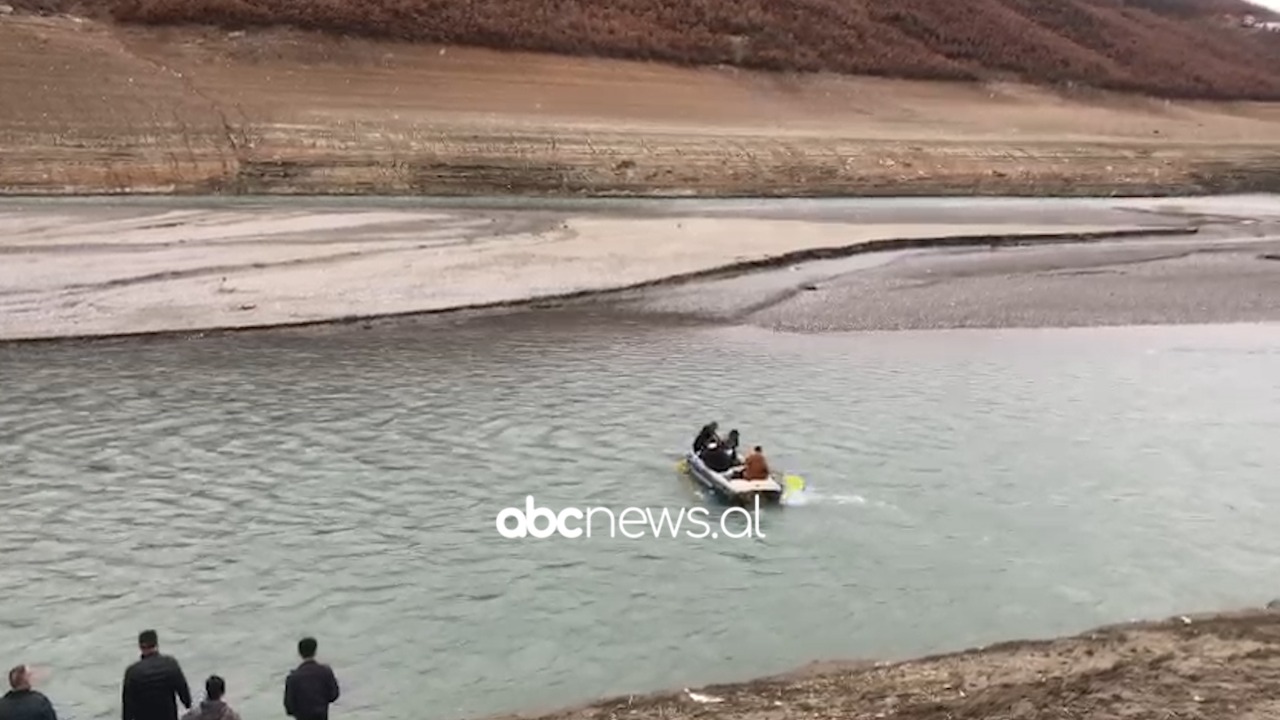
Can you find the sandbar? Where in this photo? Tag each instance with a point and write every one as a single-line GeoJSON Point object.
{"type": "Point", "coordinates": [76, 269]}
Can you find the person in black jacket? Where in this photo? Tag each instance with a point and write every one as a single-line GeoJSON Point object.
{"type": "Point", "coordinates": [151, 683]}
{"type": "Point", "coordinates": [23, 703]}
{"type": "Point", "coordinates": [311, 687]}
{"type": "Point", "coordinates": [706, 436]}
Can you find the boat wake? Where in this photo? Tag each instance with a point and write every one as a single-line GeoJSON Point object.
{"type": "Point", "coordinates": [814, 497]}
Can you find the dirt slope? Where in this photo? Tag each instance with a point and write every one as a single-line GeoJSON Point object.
{"type": "Point", "coordinates": [1177, 48]}
{"type": "Point", "coordinates": [97, 107]}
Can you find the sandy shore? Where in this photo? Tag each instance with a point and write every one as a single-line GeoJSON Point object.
{"type": "Point", "coordinates": [93, 269]}
{"type": "Point", "coordinates": [1112, 284]}
{"type": "Point", "coordinates": [84, 269]}
{"type": "Point", "coordinates": [96, 108]}
{"type": "Point", "coordinates": [1210, 278]}
{"type": "Point", "coordinates": [1205, 666]}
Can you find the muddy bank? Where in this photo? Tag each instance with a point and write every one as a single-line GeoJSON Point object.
{"type": "Point", "coordinates": [1206, 279]}
{"type": "Point", "coordinates": [99, 108]}
{"type": "Point", "coordinates": [84, 269]}
{"type": "Point", "coordinates": [1040, 287]}
{"type": "Point", "coordinates": [1210, 666]}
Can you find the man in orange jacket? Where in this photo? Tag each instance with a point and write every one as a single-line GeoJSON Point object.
{"type": "Point", "coordinates": [755, 467]}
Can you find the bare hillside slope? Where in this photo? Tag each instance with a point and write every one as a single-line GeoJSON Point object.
{"type": "Point", "coordinates": [104, 107]}
{"type": "Point", "coordinates": [1176, 48]}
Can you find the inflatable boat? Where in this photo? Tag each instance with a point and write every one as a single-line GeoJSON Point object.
{"type": "Point", "coordinates": [730, 489]}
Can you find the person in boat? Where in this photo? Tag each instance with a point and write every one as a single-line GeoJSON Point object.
{"type": "Point", "coordinates": [718, 457]}
{"type": "Point", "coordinates": [755, 467]}
{"type": "Point", "coordinates": [706, 436]}
{"type": "Point", "coordinates": [731, 448]}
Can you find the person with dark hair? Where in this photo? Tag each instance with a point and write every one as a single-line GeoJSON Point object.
{"type": "Point", "coordinates": [311, 687]}
{"type": "Point", "coordinates": [23, 703]}
{"type": "Point", "coordinates": [213, 707]}
{"type": "Point", "coordinates": [731, 447]}
{"type": "Point", "coordinates": [716, 458]}
{"type": "Point", "coordinates": [755, 467]}
{"type": "Point", "coordinates": [151, 683]}
{"type": "Point", "coordinates": [706, 436]}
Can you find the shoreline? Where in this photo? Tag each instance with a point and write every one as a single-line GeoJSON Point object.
{"type": "Point", "coordinates": [512, 168]}
{"type": "Point", "coordinates": [1217, 178]}
{"type": "Point", "coordinates": [603, 294]}
{"type": "Point", "coordinates": [1201, 662]}
{"type": "Point", "coordinates": [94, 270]}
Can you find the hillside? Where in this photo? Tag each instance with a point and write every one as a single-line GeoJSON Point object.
{"type": "Point", "coordinates": [98, 106]}
{"type": "Point", "coordinates": [1173, 48]}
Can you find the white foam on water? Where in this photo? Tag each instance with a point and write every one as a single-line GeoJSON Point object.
{"type": "Point", "coordinates": [810, 497]}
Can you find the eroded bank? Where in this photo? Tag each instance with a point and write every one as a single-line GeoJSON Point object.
{"type": "Point", "coordinates": [98, 108]}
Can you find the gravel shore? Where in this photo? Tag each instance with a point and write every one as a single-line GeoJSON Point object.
{"type": "Point", "coordinates": [1046, 287]}
{"type": "Point", "coordinates": [1200, 280]}
{"type": "Point", "coordinates": [1227, 272]}
{"type": "Point", "coordinates": [1208, 666]}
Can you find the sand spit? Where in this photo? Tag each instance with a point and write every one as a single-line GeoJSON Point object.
{"type": "Point", "coordinates": [98, 108]}
{"type": "Point", "coordinates": [1118, 283]}
{"type": "Point", "coordinates": [99, 270]}
{"type": "Point", "coordinates": [1206, 666]}
{"type": "Point", "coordinates": [1216, 276]}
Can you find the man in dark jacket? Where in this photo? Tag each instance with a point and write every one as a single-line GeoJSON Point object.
{"type": "Point", "coordinates": [151, 683]}
{"type": "Point", "coordinates": [706, 436]}
{"type": "Point", "coordinates": [23, 703]}
{"type": "Point", "coordinates": [310, 687]}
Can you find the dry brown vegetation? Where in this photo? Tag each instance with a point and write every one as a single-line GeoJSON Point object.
{"type": "Point", "coordinates": [109, 107]}
{"type": "Point", "coordinates": [1207, 667]}
{"type": "Point", "coordinates": [1178, 48]}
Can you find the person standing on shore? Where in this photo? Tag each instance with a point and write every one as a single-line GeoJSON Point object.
{"type": "Point", "coordinates": [311, 687]}
{"type": "Point", "coordinates": [213, 707]}
{"type": "Point", "coordinates": [23, 703]}
{"type": "Point", "coordinates": [151, 683]}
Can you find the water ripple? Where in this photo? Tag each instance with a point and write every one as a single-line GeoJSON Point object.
{"type": "Point", "coordinates": [240, 492]}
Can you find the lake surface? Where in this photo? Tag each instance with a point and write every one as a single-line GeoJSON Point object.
{"type": "Point", "coordinates": [236, 493]}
